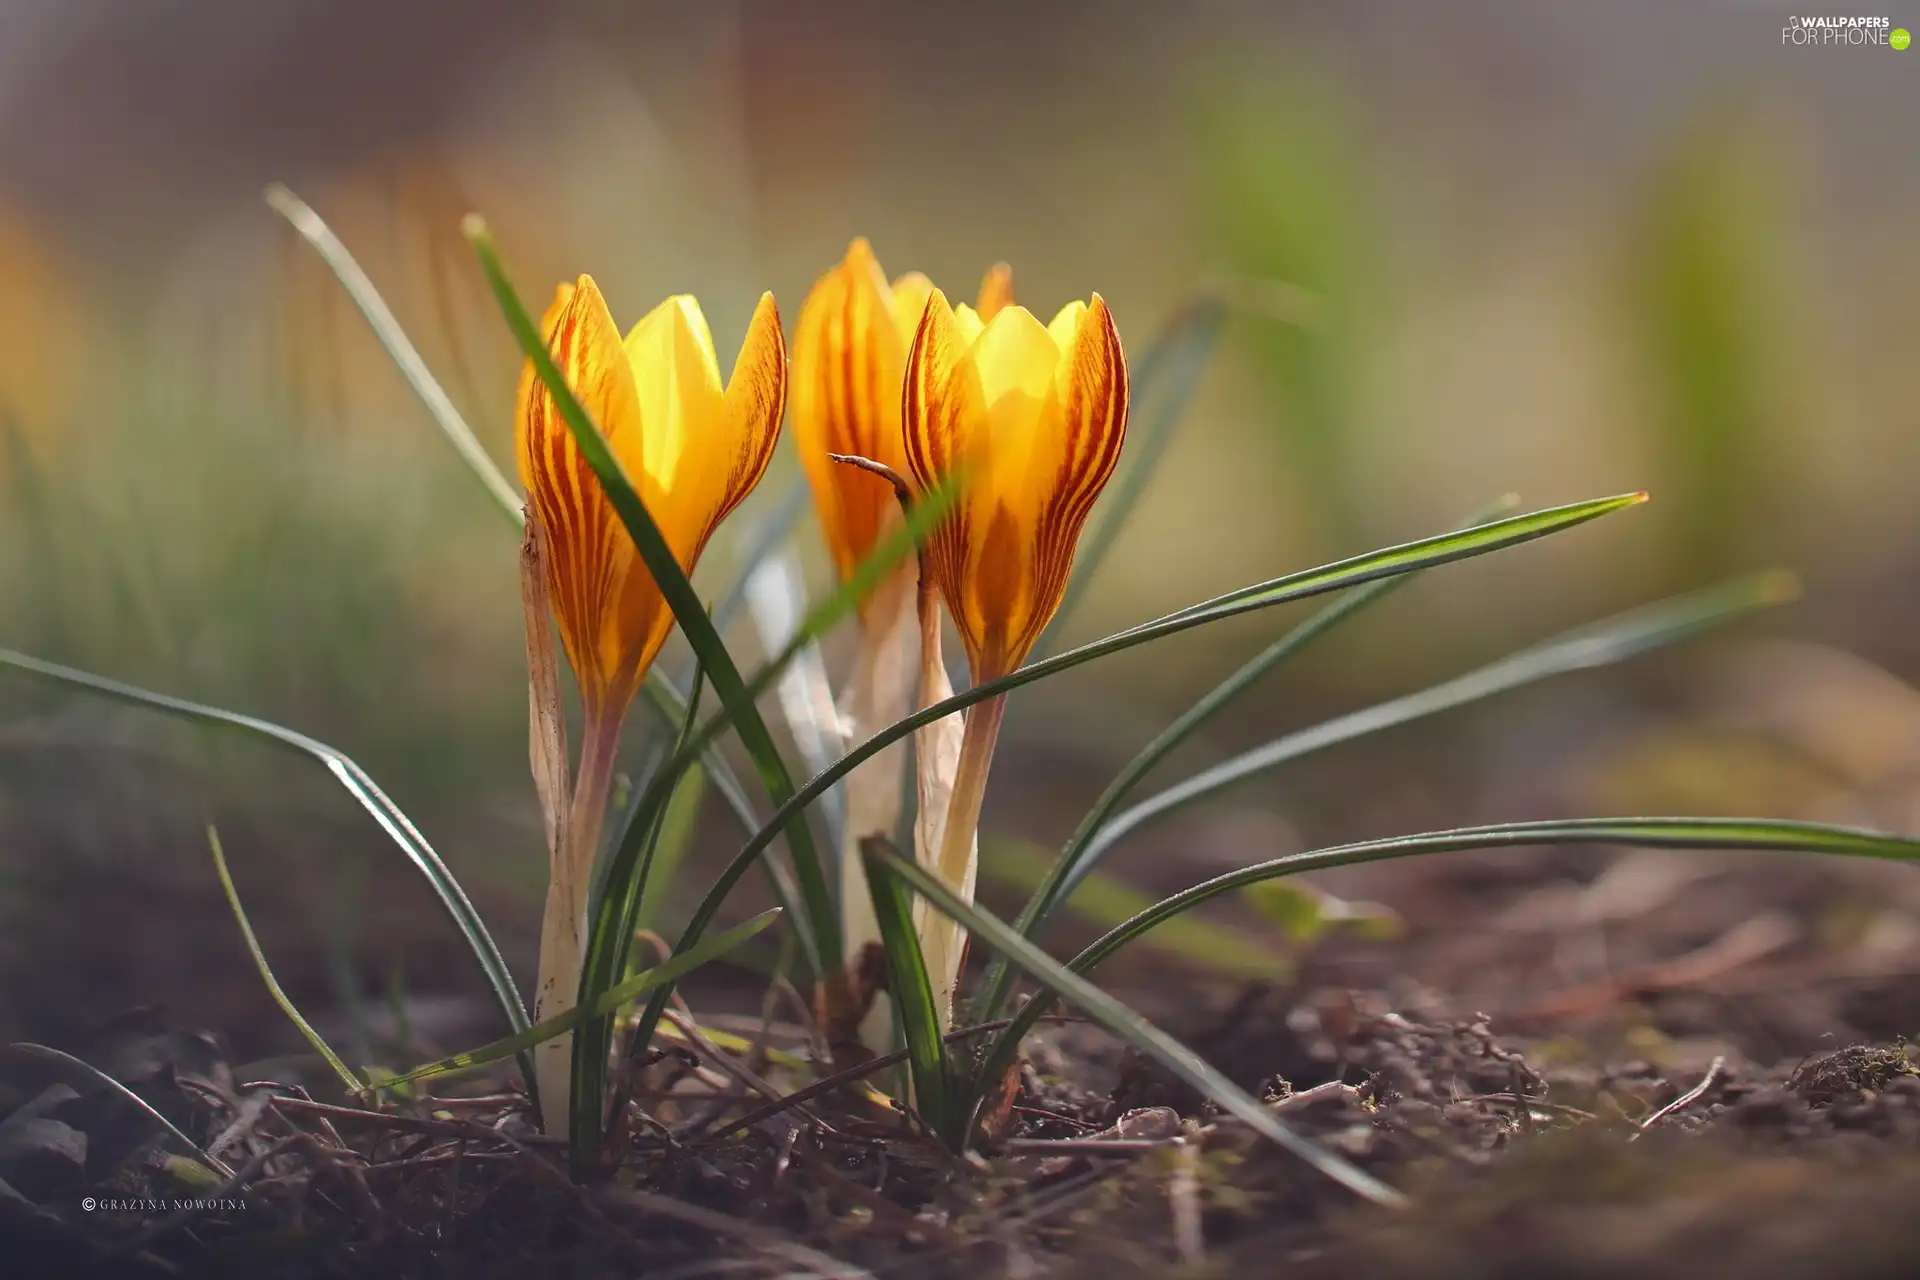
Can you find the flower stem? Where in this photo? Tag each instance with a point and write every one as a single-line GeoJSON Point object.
{"type": "Point", "coordinates": [563, 926]}
{"type": "Point", "coordinates": [945, 940]}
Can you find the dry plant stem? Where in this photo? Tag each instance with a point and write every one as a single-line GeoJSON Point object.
{"type": "Point", "coordinates": [944, 941]}
{"type": "Point", "coordinates": [563, 927]}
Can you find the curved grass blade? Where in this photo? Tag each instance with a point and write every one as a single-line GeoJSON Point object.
{"type": "Point", "coordinates": [1357, 571]}
{"type": "Point", "coordinates": [695, 624]}
{"type": "Point", "coordinates": [1046, 898]}
{"type": "Point", "coordinates": [396, 824]}
{"type": "Point", "coordinates": [314, 230]}
{"type": "Point", "coordinates": [1752, 834]}
{"type": "Point", "coordinates": [1163, 385]}
{"type": "Point", "coordinates": [280, 997]}
{"type": "Point", "coordinates": [607, 1003]}
{"type": "Point", "coordinates": [1599, 644]}
{"type": "Point", "coordinates": [912, 990]}
{"type": "Point", "coordinates": [1125, 1023]}
{"type": "Point", "coordinates": [84, 1070]}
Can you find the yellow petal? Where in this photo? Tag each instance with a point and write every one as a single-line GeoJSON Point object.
{"type": "Point", "coordinates": [678, 378]}
{"type": "Point", "coordinates": [996, 291]}
{"type": "Point", "coordinates": [849, 356]}
{"type": "Point", "coordinates": [589, 553]}
{"type": "Point", "coordinates": [1042, 428]}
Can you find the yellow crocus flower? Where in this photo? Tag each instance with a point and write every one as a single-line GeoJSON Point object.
{"type": "Point", "coordinates": [693, 449]}
{"type": "Point", "coordinates": [1035, 416]}
{"type": "Point", "coordinates": [849, 360]}
{"type": "Point", "coordinates": [849, 364]}
{"type": "Point", "coordinates": [1032, 418]}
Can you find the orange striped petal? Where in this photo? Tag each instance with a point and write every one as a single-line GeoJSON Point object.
{"type": "Point", "coordinates": [849, 354]}
{"type": "Point", "coordinates": [589, 554]}
{"type": "Point", "coordinates": [1037, 416]}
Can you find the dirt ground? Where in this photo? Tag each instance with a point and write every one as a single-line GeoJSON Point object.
{"type": "Point", "coordinates": [1574, 1062]}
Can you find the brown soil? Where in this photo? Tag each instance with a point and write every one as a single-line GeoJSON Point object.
{"type": "Point", "coordinates": [1647, 1123]}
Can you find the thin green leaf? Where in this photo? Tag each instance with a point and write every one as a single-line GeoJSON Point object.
{"type": "Point", "coordinates": [274, 989]}
{"type": "Point", "coordinates": [610, 913]}
{"type": "Point", "coordinates": [912, 990]}
{"type": "Point", "coordinates": [1599, 644]}
{"type": "Point", "coordinates": [396, 824]}
{"type": "Point", "coordinates": [1163, 385]}
{"type": "Point", "coordinates": [605, 1004]}
{"type": "Point", "coordinates": [314, 230]}
{"type": "Point", "coordinates": [1046, 899]}
{"type": "Point", "coordinates": [1125, 1023]}
{"type": "Point", "coordinates": [1357, 571]}
{"type": "Point", "coordinates": [1752, 834]}
{"type": "Point", "coordinates": [94, 1075]}
{"type": "Point", "coordinates": [466, 444]}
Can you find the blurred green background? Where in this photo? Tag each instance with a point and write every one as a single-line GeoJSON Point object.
{"type": "Point", "coordinates": [1557, 249]}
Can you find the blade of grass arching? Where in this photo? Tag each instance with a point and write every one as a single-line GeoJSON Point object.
{"type": "Point", "coordinates": [1040, 907]}
{"type": "Point", "coordinates": [737, 705]}
{"type": "Point", "coordinates": [274, 989]}
{"type": "Point", "coordinates": [314, 230]}
{"type": "Point", "coordinates": [1163, 385]}
{"type": "Point", "coordinates": [911, 988]}
{"type": "Point", "coordinates": [605, 1004]}
{"type": "Point", "coordinates": [1596, 645]}
{"type": "Point", "coordinates": [1357, 571]}
{"type": "Point", "coordinates": [614, 914]}
{"type": "Point", "coordinates": [1123, 1022]}
{"type": "Point", "coordinates": [1751, 834]}
{"type": "Point", "coordinates": [83, 1070]}
{"type": "Point", "coordinates": [438, 403]}
{"type": "Point", "coordinates": [396, 824]}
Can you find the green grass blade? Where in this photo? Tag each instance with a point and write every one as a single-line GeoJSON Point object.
{"type": "Point", "coordinates": [314, 230]}
{"type": "Point", "coordinates": [1124, 1023]}
{"type": "Point", "coordinates": [1600, 644]}
{"type": "Point", "coordinates": [274, 989]}
{"type": "Point", "coordinates": [695, 625]}
{"type": "Point", "coordinates": [396, 824]}
{"type": "Point", "coordinates": [611, 910]}
{"type": "Point", "coordinates": [440, 406]}
{"type": "Point", "coordinates": [1046, 898]}
{"type": "Point", "coordinates": [1357, 571]}
{"type": "Point", "coordinates": [912, 990]}
{"type": "Point", "coordinates": [83, 1070]}
{"type": "Point", "coordinates": [605, 1004]}
{"type": "Point", "coordinates": [1752, 834]}
{"type": "Point", "coordinates": [1163, 385]}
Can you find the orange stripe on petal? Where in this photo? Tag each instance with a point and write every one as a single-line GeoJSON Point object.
{"type": "Point", "coordinates": [587, 551]}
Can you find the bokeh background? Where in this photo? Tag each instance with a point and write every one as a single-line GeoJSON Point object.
{"type": "Point", "coordinates": [1559, 249]}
